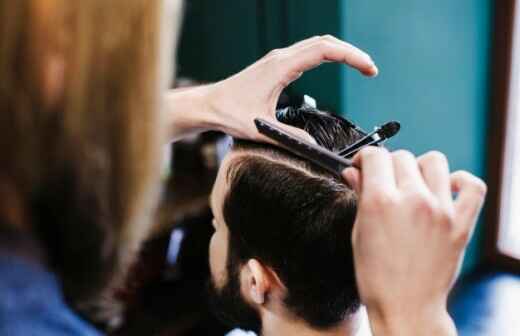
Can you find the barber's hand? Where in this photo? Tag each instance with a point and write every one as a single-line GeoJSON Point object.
{"type": "Point", "coordinates": [254, 92]}
{"type": "Point", "coordinates": [409, 237]}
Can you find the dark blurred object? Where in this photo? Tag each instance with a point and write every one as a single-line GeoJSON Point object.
{"type": "Point", "coordinates": [166, 290]}
{"type": "Point", "coordinates": [193, 166]}
{"type": "Point", "coordinates": [486, 302]}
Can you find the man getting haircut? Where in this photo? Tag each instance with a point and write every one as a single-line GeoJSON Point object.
{"type": "Point", "coordinates": [281, 259]}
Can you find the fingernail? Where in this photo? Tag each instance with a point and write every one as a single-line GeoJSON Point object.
{"type": "Point", "coordinates": [374, 71]}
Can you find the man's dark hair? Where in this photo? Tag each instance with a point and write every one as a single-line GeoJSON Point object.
{"type": "Point", "coordinates": [297, 219]}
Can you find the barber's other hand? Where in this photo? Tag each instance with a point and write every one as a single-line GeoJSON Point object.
{"type": "Point", "coordinates": [409, 237]}
{"type": "Point", "coordinates": [254, 92]}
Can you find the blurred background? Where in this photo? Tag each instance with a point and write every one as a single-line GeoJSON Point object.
{"type": "Point", "coordinates": [448, 73]}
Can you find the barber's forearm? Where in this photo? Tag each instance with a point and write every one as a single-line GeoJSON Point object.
{"type": "Point", "coordinates": [417, 323]}
{"type": "Point", "coordinates": [188, 111]}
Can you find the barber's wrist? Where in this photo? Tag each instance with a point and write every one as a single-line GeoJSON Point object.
{"type": "Point", "coordinates": [220, 109]}
{"type": "Point", "coordinates": [190, 111]}
{"type": "Point", "coordinates": [426, 321]}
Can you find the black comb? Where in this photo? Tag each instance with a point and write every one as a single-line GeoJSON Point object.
{"type": "Point", "coordinates": [319, 155]}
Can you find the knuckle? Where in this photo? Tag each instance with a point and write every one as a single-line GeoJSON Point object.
{"type": "Point", "coordinates": [371, 153]}
{"type": "Point", "coordinates": [445, 218]}
{"type": "Point", "coordinates": [458, 173]}
{"type": "Point", "coordinates": [325, 43]}
{"type": "Point", "coordinates": [368, 152]}
{"type": "Point", "coordinates": [435, 157]}
{"type": "Point", "coordinates": [480, 187]}
{"type": "Point", "coordinates": [403, 155]}
{"type": "Point", "coordinates": [328, 37]}
{"type": "Point", "coordinates": [472, 181]}
{"type": "Point", "coordinates": [428, 208]}
{"type": "Point", "coordinates": [275, 53]}
{"type": "Point", "coordinates": [381, 200]}
{"type": "Point", "coordinates": [422, 205]}
{"type": "Point", "coordinates": [276, 60]}
{"type": "Point", "coordinates": [463, 175]}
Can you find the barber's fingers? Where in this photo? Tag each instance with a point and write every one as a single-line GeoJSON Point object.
{"type": "Point", "coordinates": [353, 177]}
{"type": "Point", "coordinates": [377, 172]}
{"type": "Point", "coordinates": [436, 173]}
{"type": "Point", "coordinates": [306, 55]}
{"type": "Point", "coordinates": [328, 50]}
{"type": "Point", "coordinates": [471, 195]}
{"type": "Point", "coordinates": [317, 40]}
{"type": "Point", "coordinates": [407, 174]}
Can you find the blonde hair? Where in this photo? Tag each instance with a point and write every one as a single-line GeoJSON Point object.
{"type": "Point", "coordinates": [79, 125]}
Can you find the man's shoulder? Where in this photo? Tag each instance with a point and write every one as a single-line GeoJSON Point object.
{"type": "Point", "coordinates": [31, 302]}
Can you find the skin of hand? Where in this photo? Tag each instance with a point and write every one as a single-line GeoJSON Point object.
{"type": "Point", "coordinates": [232, 104]}
{"type": "Point", "coordinates": [409, 237]}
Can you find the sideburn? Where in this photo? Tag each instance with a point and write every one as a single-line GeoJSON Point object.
{"type": "Point", "coordinates": [227, 302]}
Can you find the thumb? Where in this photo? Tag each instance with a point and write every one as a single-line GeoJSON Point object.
{"type": "Point", "coordinates": [353, 178]}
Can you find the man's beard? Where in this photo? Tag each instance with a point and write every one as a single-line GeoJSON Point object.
{"type": "Point", "coordinates": [229, 306]}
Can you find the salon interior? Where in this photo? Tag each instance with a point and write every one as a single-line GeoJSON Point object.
{"type": "Point", "coordinates": [449, 73]}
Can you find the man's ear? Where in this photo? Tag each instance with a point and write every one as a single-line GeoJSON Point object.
{"type": "Point", "coordinates": [256, 281]}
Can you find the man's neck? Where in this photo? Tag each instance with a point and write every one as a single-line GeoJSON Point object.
{"type": "Point", "coordinates": [275, 324]}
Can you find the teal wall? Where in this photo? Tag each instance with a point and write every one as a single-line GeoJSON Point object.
{"type": "Point", "coordinates": [219, 40]}
{"type": "Point", "coordinates": [433, 57]}
{"type": "Point", "coordinates": [434, 77]}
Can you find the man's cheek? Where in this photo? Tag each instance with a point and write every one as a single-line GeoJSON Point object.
{"type": "Point", "coordinates": [218, 255]}
{"type": "Point", "coordinates": [212, 265]}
